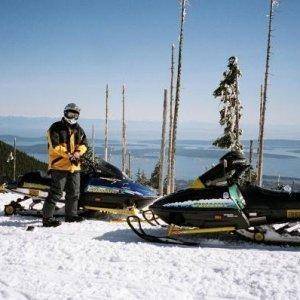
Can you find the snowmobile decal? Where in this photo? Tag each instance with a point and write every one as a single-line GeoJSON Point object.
{"type": "Point", "coordinates": [205, 203]}
{"type": "Point", "coordinates": [197, 184]}
{"type": "Point", "coordinates": [293, 213]}
{"type": "Point", "coordinates": [101, 189]}
{"type": "Point", "coordinates": [35, 186]}
{"type": "Point", "coordinates": [230, 215]}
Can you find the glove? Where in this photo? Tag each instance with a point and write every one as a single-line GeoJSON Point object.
{"type": "Point", "coordinates": [73, 159]}
{"type": "Point", "coordinates": [76, 154]}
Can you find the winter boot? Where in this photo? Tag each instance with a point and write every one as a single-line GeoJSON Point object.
{"type": "Point", "coordinates": [51, 222]}
{"type": "Point", "coordinates": [71, 219]}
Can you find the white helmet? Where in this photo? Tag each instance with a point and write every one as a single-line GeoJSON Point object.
{"type": "Point", "coordinates": [71, 113]}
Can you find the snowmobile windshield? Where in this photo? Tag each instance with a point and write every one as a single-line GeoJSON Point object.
{"type": "Point", "coordinates": [108, 170]}
{"type": "Point", "coordinates": [229, 169]}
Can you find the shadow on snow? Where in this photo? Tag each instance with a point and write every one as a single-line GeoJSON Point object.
{"type": "Point", "coordinates": [225, 241]}
{"type": "Point", "coordinates": [220, 242]}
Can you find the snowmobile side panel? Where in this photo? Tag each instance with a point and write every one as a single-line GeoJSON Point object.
{"type": "Point", "coordinates": [293, 214]}
{"type": "Point", "coordinates": [204, 218]}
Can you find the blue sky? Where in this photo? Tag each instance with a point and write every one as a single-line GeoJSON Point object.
{"type": "Point", "coordinates": [54, 52]}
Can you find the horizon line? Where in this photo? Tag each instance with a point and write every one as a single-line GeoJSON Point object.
{"type": "Point", "coordinates": [144, 120]}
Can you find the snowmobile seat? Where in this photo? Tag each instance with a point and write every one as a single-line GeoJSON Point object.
{"type": "Point", "coordinates": [257, 197]}
{"type": "Point", "coordinates": [35, 179]}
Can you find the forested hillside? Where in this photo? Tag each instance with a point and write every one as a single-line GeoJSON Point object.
{"type": "Point", "coordinates": [25, 162]}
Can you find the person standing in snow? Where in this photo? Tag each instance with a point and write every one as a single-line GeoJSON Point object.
{"type": "Point", "coordinates": [66, 144]}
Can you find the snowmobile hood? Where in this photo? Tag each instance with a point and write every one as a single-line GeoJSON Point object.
{"type": "Point", "coordinates": [116, 186]}
{"type": "Point", "coordinates": [218, 197]}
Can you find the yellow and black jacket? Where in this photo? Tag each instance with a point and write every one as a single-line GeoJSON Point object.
{"type": "Point", "coordinates": [64, 139]}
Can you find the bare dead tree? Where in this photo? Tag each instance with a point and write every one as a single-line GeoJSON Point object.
{"type": "Point", "coordinates": [106, 125]}
{"type": "Point", "coordinates": [129, 164]}
{"type": "Point", "coordinates": [170, 176]}
{"type": "Point", "coordinates": [15, 159]}
{"type": "Point", "coordinates": [251, 152]}
{"type": "Point", "coordinates": [259, 133]}
{"type": "Point", "coordinates": [177, 93]}
{"type": "Point", "coordinates": [93, 143]}
{"type": "Point", "coordinates": [163, 145]}
{"type": "Point", "coordinates": [123, 131]}
{"type": "Point", "coordinates": [265, 90]}
{"type": "Point", "coordinates": [251, 173]}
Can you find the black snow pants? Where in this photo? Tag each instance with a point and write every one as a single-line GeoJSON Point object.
{"type": "Point", "coordinates": [60, 181]}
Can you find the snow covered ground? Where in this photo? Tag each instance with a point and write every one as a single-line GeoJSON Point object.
{"type": "Point", "coordinates": [97, 260]}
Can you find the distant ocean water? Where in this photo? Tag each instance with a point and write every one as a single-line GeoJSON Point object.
{"type": "Point", "coordinates": [282, 158]}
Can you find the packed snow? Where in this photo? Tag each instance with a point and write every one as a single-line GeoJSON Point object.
{"type": "Point", "coordinates": [98, 260]}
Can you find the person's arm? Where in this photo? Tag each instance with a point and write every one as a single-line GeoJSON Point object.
{"type": "Point", "coordinates": [53, 140]}
{"type": "Point", "coordinates": [82, 147]}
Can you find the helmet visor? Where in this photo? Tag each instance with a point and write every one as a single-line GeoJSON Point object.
{"type": "Point", "coordinates": [72, 114]}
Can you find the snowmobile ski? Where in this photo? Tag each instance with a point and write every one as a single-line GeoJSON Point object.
{"type": "Point", "coordinates": [151, 238]}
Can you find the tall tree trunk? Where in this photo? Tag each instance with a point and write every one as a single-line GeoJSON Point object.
{"type": "Point", "coordinates": [170, 176]}
{"type": "Point", "coordinates": [15, 158]}
{"type": "Point", "coordinates": [266, 81]}
{"type": "Point", "coordinates": [250, 159]}
{"type": "Point", "coordinates": [163, 145]}
{"type": "Point", "coordinates": [106, 125]}
{"type": "Point", "coordinates": [93, 143]}
{"type": "Point", "coordinates": [129, 164]}
{"type": "Point", "coordinates": [177, 93]}
{"type": "Point", "coordinates": [258, 166]}
{"type": "Point", "coordinates": [123, 131]}
{"type": "Point", "coordinates": [251, 152]}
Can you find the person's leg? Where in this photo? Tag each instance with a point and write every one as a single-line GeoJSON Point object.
{"type": "Point", "coordinates": [58, 182]}
{"type": "Point", "coordinates": [72, 193]}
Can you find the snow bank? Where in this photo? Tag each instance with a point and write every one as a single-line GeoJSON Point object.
{"type": "Point", "coordinates": [97, 260]}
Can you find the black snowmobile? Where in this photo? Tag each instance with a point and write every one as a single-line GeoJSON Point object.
{"type": "Point", "coordinates": [217, 203]}
{"type": "Point", "coordinates": [104, 188]}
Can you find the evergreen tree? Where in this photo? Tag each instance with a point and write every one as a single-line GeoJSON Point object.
{"type": "Point", "coordinates": [154, 179]}
{"type": "Point", "coordinates": [230, 114]}
{"type": "Point", "coordinates": [88, 159]}
{"type": "Point", "coordinates": [24, 162]}
{"type": "Point", "coordinates": [141, 177]}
